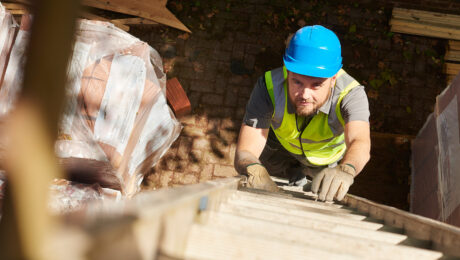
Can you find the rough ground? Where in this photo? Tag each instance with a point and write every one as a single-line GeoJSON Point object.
{"type": "Point", "coordinates": [234, 42]}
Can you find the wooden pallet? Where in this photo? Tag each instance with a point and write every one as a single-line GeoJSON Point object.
{"type": "Point", "coordinates": [145, 12]}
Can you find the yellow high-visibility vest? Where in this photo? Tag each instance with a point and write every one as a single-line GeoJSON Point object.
{"type": "Point", "coordinates": [317, 142]}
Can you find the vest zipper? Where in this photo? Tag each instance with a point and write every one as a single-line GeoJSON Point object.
{"type": "Point", "coordinates": [300, 136]}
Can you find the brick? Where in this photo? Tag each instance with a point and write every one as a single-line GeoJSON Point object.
{"type": "Point", "coordinates": [253, 48]}
{"type": "Point", "coordinates": [201, 121]}
{"type": "Point", "coordinates": [249, 61]}
{"type": "Point", "coordinates": [194, 98]}
{"type": "Point", "coordinates": [201, 86]}
{"type": "Point", "coordinates": [165, 178]}
{"type": "Point", "coordinates": [193, 131]}
{"type": "Point", "coordinates": [177, 98]}
{"type": "Point", "coordinates": [238, 51]}
{"type": "Point", "coordinates": [212, 99]}
{"type": "Point", "coordinates": [188, 119]}
{"type": "Point", "coordinates": [206, 172]}
{"type": "Point", "coordinates": [220, 85]}
{"type": "Point", "coordinates": [242, 101]}
{"type": "Point", "coordinates": [229, 124]}
{"type": "Point", "coordinates": [240, 113]}
{"type": "Point", "coordinates": [220, 112]}
{"type": "Point", "coordinates": [185, 147]}
{"type": "Point", "coordinates": [230, 136]}
{"type": "Point", "coordinates": [224, 171]}
{"type": "Point", "coordinates": [182, 178]}
{"type": "Point", "coordinates": [231, 96]}
{"type": "Point", "coordinates": [201, 143]}
{"type": "Point", "coordinates": [221, 55]}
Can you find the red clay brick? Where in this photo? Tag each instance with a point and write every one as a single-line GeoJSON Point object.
{"type": "Point", "coordinates": [177, 98]}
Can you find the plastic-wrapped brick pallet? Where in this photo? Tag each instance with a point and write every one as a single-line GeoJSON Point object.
{"type": "Point", "coordinates": [116, 108]}
{"type": "Point", "coordinates": [435, 161]}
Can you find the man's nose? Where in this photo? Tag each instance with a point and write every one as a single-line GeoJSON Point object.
{"type": "Point", "coordinates": [305, 93]}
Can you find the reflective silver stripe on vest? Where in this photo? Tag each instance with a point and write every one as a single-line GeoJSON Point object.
{"type": "Point", "coordinates": [308, 141]}
{"type": "Point", "coordinates": [329, 146]}
{"type": "Point", "coordinates": [278, 93]}
{"type": "Point", "coordinates": [341, 83]}
{"type": "Point", "coordinates": [295, 146]}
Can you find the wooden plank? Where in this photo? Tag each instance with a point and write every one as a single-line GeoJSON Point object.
{"type": "Point", "coordinates": [91, 16]}
{"type": "Point", "coordinates": [236, 208]}
{"type": "Point", "coordinates": [283, 202]}
{"type": "Point", "coordinates": [300, 223]}
{"type": "Point", "coordinates": [154, 10]}
{"type": "Point", "coordinates": [134, 21]}
{"type": "Point", "coordinates": [425, 16]}
{"type": "Point", "coordinates": [423, 31]}
{"type": "Point", "coordinates": [177, 98]}
{"type": "Point", "coordinates": [18, 11]}
{"type": "Point", "coordinates": [451, 68]}
{"type": "Point", "coordinates": [210, 243]}
{"type": "Point", "coordinates": [454, 45]}
{"type": "Point", "coordinates": [321, 239]}
{"type": "Point", "coordinates": [452, 55]}
{"type": "Point", "coordinates": [15, 6]}
{"type": "Point", "coordinates": [445, 238]}
{"type": "Point", "coordinates": [326, 215]}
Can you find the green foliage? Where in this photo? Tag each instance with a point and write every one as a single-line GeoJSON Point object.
{"type": "Point", "coordinates": [352, 28]}
{"type": "Point", "coordinates": [385, 76]}
{"type": "Point", "coordinates": [376, 83]}
{"type": "Point", "coordinates": [407, 55]}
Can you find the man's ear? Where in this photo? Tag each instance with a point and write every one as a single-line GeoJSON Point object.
{"type": "Point", "coordinates": [333, 81]}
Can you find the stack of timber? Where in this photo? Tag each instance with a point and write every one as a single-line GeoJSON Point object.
{"type": "Point", "coordinates": [134, 12]}
{"type": "Point", "coordinates": [432, 24]}
{"type": "Point", "coordinates": [452, 60]}
{"type": "Point", "coordinates": [424, 23]}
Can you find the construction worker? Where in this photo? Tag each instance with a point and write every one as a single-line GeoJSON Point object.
{"type": "Point", "coordinates": [307, 118]}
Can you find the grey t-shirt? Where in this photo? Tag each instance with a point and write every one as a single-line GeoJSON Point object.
{"type": "Point", "coordinates": [259, 110]}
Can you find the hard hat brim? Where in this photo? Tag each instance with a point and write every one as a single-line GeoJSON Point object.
{"type": "Point", "coordinates": [317, 71]}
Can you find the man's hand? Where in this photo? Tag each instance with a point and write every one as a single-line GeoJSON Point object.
{"type": "Point", "coordinates": [259, 178]}
{"type": "Point", "coordinates": [335, 182]}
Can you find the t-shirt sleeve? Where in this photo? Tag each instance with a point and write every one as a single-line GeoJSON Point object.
{"type": "Point", "coordinates": [259, 109]}
{"type": "Point", "coordinates": [355, 105]}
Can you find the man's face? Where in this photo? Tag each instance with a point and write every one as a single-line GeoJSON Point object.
{"type": "Point", "coordinates": [308, 94]}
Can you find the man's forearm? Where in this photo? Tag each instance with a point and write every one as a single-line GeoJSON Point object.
{"type": "Point", "coordinates": [243, 159]}
{"type": "Point", "coordinates": [358, 154]}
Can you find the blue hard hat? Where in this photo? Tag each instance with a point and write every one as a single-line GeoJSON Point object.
{"type": "Point", "coordinates": [314, 51]}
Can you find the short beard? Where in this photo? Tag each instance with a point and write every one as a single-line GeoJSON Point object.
{"type": "Point", "coordinates": [300, 111]}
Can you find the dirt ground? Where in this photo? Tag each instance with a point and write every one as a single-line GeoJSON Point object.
{"type": "Point", "coordinates": [234, 42]}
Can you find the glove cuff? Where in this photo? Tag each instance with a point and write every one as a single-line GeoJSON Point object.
{"type": "Point", "coordinates": [348, 168]}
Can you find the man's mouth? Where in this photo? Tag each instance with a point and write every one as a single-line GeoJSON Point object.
{"type": "Point", "coordinates": [305, 103]}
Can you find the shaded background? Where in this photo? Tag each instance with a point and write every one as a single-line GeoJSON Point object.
{"type": "Point", "coordinates": [235, 42]}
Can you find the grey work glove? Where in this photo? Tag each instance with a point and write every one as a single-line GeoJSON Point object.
{"type": "Point", "coordinates": [259, 178]}
{"type": "Point", "coordinates": [334, 182]}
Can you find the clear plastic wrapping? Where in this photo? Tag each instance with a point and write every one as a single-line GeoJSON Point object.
{"type": "Point", "coordinates": [116, 110]}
